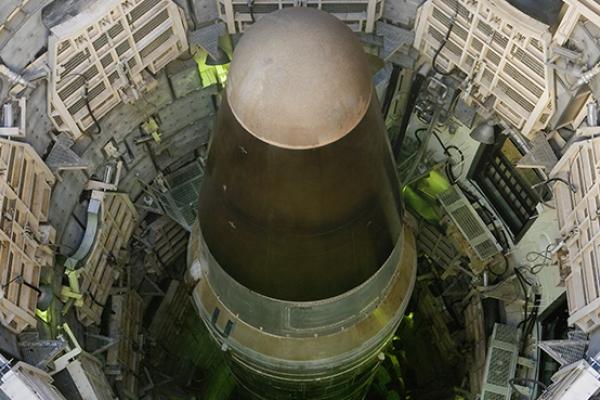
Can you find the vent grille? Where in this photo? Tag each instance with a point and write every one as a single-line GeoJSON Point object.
{"type": "Point", "coordinates": [115, 30]}
{"type": "Point", "coordinates": [469, 223]}
{"type": "Point", "coordinates": [441, 17]}
{"type": "Point", "coordinates": [77, 83]}
{"type": "Point", "coordinates": [92, 94]}
{"type": "Point", "coordinates": [435, 245]}
{"type": "Point", "coordinates": [100, 42]}
{"type": "Point", "coordinates": [529, 61]}
{"type": "Point", "coordinates": [156, 43]}
{"type": "Point", "coordinates": [487, 77]}
{"type": "Point", "coordinates": [510, 194]}
{"type": "Point", "coordinates": [523, 80]}
{"type": "Point", "coordinates": [501, 363]}
{"type": "Point", "coordinates": [493, 57]}
{"type": "Point", "coordinates": [485, 28]}
{"type": "Point", "coordinates": [113, 77]}
{"type": "Point", "coordinates": [499, 367]}
{"type": "Point", "coordinates": [142, 9]}
{"type": "Point", "coordinates": [106, 60]}
{"type": "Point", "coordinates": [500, 40]}
{"type": "Point", "coordinates": [506, 334]}
{"type": "Point", "coordinates": [462, 10]}
{"type": "Point", "coordinates": [515, 96]}
{"type": "Point", "coordinates": [180, 201]}
{"type": "Point", "coordinates": [74, 62]}
{"type": "Point", "coordinates": [486, 247]}
{"type": "Point", "coordinates": [150, 26]}
{"type": "Point", "coordinates": [451, 196]}
{"type": "Point", "coordinates": [493, 396]}
{"type": "Point", "coordinates": [123, 47]}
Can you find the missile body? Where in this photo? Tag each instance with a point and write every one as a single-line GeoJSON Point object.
{"type": "Point", "coordinates": [302, 264]}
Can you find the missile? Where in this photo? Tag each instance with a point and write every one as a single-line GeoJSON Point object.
{"type": "Point", "coordinates": [301, 260]}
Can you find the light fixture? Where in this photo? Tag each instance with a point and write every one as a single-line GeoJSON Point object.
{"type": "Point", "coordinates": [484, 133]}
{"type": "Point", "coordinates": [221, 59]}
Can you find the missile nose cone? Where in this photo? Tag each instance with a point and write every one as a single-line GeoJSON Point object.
{"type": "Point", "coordinates": [306, 264]}
{"type": "Point", "coordinates": [299, 79]}
{"type": "Point", "coordinates": [310, 208]}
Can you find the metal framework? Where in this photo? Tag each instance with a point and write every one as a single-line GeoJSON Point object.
{"type": "Point", "coordinates": [475, 332]}
{"type": "Point", "coordinates": [24, 381]}
{"type": "Point", "coordinates": [501, 363]}
{"type": "Point", "coordinates": [502, 51]}
{"type": "Point", "coordinates": [123, 359]}
{"type": "Point", "coordinates": [93, 268]}
{"type": "Point", "coordinates": [469, 223]}
{"type": "Point", "coordinates": [434, 245]}
{"type": "Point", "coordinates": [87, 374]}
{"type": "Point", "coordinates": [167, 239]}
{"type": "Point", "coordinates": [177, 193]}
{"type": "Point", "coordinates": [578, 381]}
{"type": "Point", "coordinates": [13, 14]}
{"type": "Point", "coordinates": [507, 191]}
{"type": "Point", "coordinates": [576, 11]}
{"type": "Point", "coordinates": [14, 118]}
{"type": "Point", "coordinates": [166, 321]}
{"type": "Point", "coordinates": [359, 15]}
{"type": "Point", "coordinates": [25, 236]}
{"type": "Point", "coordinates": [99, 59]}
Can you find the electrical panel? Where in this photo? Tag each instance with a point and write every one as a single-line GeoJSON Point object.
{"type": "Point", "coordinates": [501, 363]}
{"type": "Point", "coordinates": [108, 54]}
{"type": "Point", "coordinates": [469, 223]}
{"type": "Point", "coordinates": [125, 325]}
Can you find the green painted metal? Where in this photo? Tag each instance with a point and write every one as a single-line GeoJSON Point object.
{"type": "Point", "coordinates": [210, 74]}
{"type": "Point", "coordinates": [421, 195]}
